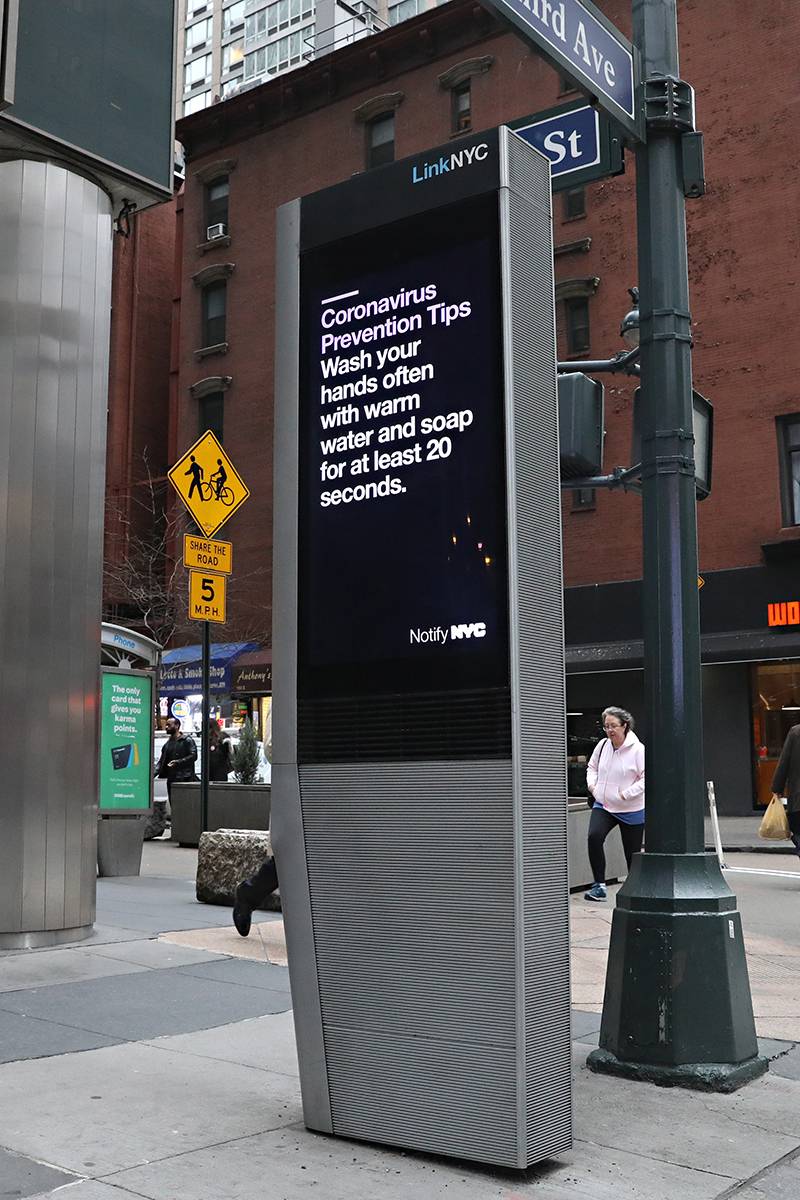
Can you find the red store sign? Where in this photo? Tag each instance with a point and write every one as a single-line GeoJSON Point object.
{"type": "Point", "coordinates": [785, 613]}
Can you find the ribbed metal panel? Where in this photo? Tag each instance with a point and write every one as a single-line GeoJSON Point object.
{"type": "Point", "coordinates": [538, 682]}
{"type": "Point", "coordinates": [407, 727]}
{"type": "Point", "coordinates": [411, 882]}
{"type": "Point", "coordinates": [448, 1099]}
{"type": "Point", "coordinates": [55, 293]}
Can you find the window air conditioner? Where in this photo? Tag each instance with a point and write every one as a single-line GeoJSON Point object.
{"type": "Point", "coordinates": [216, 231]}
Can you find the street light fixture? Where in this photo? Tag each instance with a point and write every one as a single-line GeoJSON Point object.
{"type": "Point", "coordinates": [629, 329]}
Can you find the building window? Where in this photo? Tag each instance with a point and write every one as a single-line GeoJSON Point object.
{"type": "Point", "coordinates": [583, 500]}
{"type": "Point", "coordinates": [196, 103]}
{"type": "Point", "coordinates": [211, 411]}
{"type": "Point", "coordinates": [789, 448]}
{"type": "Point", "coordinates": [197, 73]}
{"type": "Point", "coordinates": [232, 56]}
{"type": "Point", "coordinates": [462, 107]}
{"type": "Point", "coordinates": [198, 35]}
{"type": "Point", "coordinates": [232, 18]}
{"type": "Point", "coordinates": [380, 141]}
{"type": "Point", "coordinates": [403, 10]}
{"type": "Point", "coordinates": [577, 315]}
{"type": "Point", "coordinates": [193, 7]}
{"type": "Point", "coordinates": [215, 297]}
{"type": "Point", "coordinates": [217, 193]}
{"type": "Point", "coordinates": [574, 203]}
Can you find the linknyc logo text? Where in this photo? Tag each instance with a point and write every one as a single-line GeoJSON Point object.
{"type": "Point", "coordinates": [449, 162]}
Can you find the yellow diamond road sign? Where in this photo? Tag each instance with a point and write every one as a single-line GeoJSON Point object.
{"type": "Point", "coordinates": [208, 484]}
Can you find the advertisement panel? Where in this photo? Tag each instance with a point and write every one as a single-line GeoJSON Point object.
{"type": "Point", "coordinates": [126, 742]}
{"type": "Point", "coordinates": [402, 484]}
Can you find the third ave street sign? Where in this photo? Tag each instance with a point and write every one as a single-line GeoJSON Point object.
{"type": "Point", "coordinates": [583, 45]}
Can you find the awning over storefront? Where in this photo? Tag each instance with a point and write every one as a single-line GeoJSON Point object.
{"type": "Point", "coordinates": [251, 674]}
{"type": "Point", "coordinates": [182, 668]}
{"type": "Point", "coordinates": [752, 645]}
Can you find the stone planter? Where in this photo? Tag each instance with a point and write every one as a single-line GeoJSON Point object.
{"type": "Point", "coordinates": [230, 806]}
{"type": "Point", "coordinates": [580, 873]}
{"type": "Point", "coordinates": [119, 845]}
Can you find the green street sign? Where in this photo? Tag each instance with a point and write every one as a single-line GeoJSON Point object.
{"type": "Point", "coordinates": [126, 741]}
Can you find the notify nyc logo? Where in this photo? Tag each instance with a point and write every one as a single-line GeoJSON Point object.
{"type": "Point", "coordinates": [448, 162]}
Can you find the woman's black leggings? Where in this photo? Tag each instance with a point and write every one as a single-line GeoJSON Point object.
{"type": "Point", "coordinates": [600, 825]}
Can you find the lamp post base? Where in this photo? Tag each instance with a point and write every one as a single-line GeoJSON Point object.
{"type": "Point", "coordinates": [702, 1077]}
{"type": "Point", "coordinates": [677, 1009]}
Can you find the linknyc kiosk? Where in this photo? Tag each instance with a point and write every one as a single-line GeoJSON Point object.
{"type": "Point", "coordinates": [419, 779]}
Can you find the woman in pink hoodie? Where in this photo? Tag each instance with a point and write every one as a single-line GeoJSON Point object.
{"type": "Point", "coordinates": [615, 777]}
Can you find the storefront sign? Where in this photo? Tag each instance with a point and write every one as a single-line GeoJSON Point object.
{"type": "Point", "coordinates": [188, 677]}
{"type": "Point", "coordinates": [126, 742]}
{"type": "Point", "coordinates": [253, 680]}
{"type": "Point", "coordinates": [786, 612]}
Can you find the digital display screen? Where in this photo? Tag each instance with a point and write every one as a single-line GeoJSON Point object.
{"type": "Point", "coordinates": [98, 75]}
{"type": "Point", "coordinates": [402, 569]}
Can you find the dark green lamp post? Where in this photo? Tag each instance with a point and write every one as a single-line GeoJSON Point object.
{"type": "Point", "coordinates": [677, 1006]}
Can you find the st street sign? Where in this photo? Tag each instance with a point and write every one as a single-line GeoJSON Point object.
{"type": "Point", "coordinates": [581, 43]}
{"type": "Point", "coordinates": [578, 141]}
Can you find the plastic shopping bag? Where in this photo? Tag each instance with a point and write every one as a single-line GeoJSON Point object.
{"type": "Point", "coordinates": [774, 824]}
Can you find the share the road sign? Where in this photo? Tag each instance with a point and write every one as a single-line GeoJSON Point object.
{"type": "Point", "coordinates": [207, 554]}
{"type": "Point", "coordinates": [208, 484]}
{"type": "Point", "coordinates": [583, 44]}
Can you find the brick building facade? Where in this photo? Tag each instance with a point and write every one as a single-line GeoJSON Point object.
{"type": "Point", "coordinates": [456, 68]}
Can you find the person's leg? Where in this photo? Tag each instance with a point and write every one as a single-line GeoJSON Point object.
{"type": "Point", "coordinates": [632, 838]}
{"type": "Point", "coordinates": [251, 893]}
{"type": "Point", "coordinates": [794, 829]}
{"type": "Point", "coordinates": [600, 825]}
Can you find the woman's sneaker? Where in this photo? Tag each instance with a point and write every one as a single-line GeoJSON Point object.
{"type": "Point", "coordinates": [597, 892]}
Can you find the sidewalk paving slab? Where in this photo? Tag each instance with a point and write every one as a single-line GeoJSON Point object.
{"type": "Point", "coordinates": [147, 1004]}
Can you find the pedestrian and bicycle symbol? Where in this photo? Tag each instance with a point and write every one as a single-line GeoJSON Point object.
{"type": "Point", "coordinates": [208, 484]}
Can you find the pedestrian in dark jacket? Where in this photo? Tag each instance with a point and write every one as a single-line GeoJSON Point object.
{"type": "Point", "coordinates": [176, 765]}
{"type": "Point", "coordinates": [786, 781]}
{"type": "Point", "coordinates": [220, 753]}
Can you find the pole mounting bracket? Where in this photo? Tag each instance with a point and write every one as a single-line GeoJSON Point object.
{"type": "Point", "coordinates": [668, 104]}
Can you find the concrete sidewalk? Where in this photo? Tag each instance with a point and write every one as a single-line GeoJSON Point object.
{"type": "Point", "coordinates": [157, 1060]}
{"type": "Point", "coordinates": [741, 833]}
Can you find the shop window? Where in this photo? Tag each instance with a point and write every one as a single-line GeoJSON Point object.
{"type": "Point", "coordinates": [584, 731]}
{"type": "Point", "coordinates": [211, 411]}
{"type": "Point", "coordinates": [214, 306]}
{"type": "Point", "coordinates": [380, 141]}
{"type": "Point", "coordinates": [462, 107]}
{"type": "Point", "coordinates": [776, 708]}
{"type": "Point", "coordinates": [789, 453]}
{"type": "Point", "coordinates": [217, 203]}
{"type": "Point", "coordinates": [574, 202]}
{"type": "Point", "coordinates": [576, 311]}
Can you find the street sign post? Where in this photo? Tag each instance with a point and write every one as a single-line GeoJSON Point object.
{"type": "Point", "coordinates": [208, 484]}
{"type": "Point", "coordinates": [212, 490]}
{"type": "Point", "coordinates": [582, 44]}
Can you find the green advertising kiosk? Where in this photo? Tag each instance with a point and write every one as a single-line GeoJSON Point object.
{"type": "Point", "coordinates": [125, 793]}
